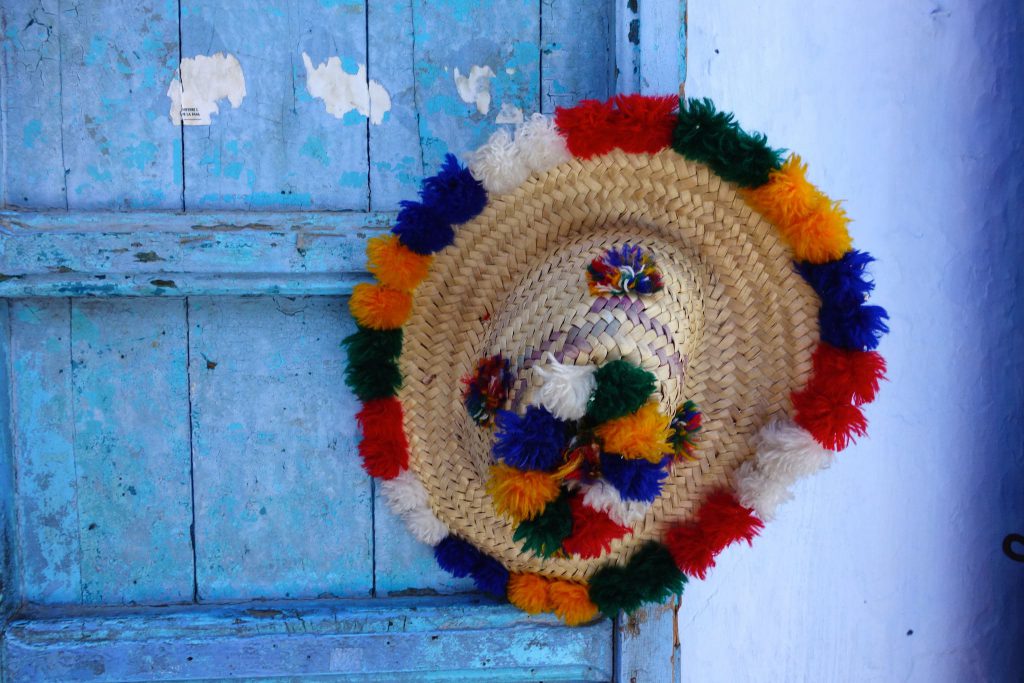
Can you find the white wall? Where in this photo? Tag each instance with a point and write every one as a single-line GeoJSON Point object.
{"type": "Point", "coordinates": [911, 111]}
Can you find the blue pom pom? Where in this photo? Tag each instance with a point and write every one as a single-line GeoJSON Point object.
{"type": "Point", "coordinates": [532, 442]}
{"type": "Point", "coordinates": [456, 557]}
{"type": "Point", "coordinates": [839, 282]}
{"type": "Point", "coordinates": [454, 194]}
{"type": "Point", "coordinates": [855, 327]}
{"type": "Point", "coordinates": [635, 479]}
{"type": "Point", "coordinates": [490, 576]}
{"type": "Point", "coordinates": [422, 229]}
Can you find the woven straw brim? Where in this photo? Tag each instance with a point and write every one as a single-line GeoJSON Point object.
{"type": "Point", "coordinates": [733, 329]}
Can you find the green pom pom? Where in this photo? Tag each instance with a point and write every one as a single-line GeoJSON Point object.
{"type": "Point", "coordinates": [622, 388]}
{"type": "Point", "coordinates": [372, 369]}
{"type": "Point", "coordinates": [543, 535]}
{"type": "Point", "coordinates": [650, 576]}
{"type": "Point", "coordinates": [714, 138]}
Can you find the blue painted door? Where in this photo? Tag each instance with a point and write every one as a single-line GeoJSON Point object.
{"type": "Point", "coordinates": [187, 187]}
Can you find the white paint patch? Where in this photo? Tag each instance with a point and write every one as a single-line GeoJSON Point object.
{"type": "Point", "coordinates": [202, 81]}
{"type": "Point", "coordinates": [342, 92]}
{"type": "Point", "coordinates": [476, 87]}
{"type": "Point", "coordinates": [509, 113]}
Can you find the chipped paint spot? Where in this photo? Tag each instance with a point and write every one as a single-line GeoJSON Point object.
{"type": "Point", "coordinates": [476, 87]}
{"type": "Point", "coordinates": [509, 113]}
{"type": "Point", "coordinates": [343, 92]}
{"type": "Point", "coordinates": [202, 81]}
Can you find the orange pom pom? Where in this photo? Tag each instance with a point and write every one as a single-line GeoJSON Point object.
{"type": "Point", "coordinates": [812, 224]}
{"type": "Point", "coordinates": [378, 307]}
{"type": "Point", "coordinates": [571, 602]}
{"type": "Point", "coordinates": [521, 494]}
{"type": "Point", "coordinates": [643, 434]}
{"type": "Point", "coordinates": [529, 592]}
{"type": "Point", "coordinates": [394, 264]}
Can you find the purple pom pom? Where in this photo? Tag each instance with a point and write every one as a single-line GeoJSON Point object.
{"type": "Point", "coordinates": [456, 557]}
{"type": "Point", "coordinates": [635, 479]}
{"type": "Point", "coordinates": [532, 442]}
{"type": "Point", "coordinates": [454, 194]}
{"type": "Point", "coordinates": [839, 282]}
{"type": "Point", "coordinates": [422, 229]}
{"type": "Point", "coordinates": [855, 327]}
{"type": "Point", "coordinates": [490, 576]}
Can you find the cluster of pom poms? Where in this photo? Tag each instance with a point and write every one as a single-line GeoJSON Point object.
{"type": "Point", "coordinates": [486, 389]}
{"type": "Point", "coordinates": [625, 269]}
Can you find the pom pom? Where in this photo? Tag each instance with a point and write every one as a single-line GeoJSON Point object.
{"type": "Point", "coordinates": [531, 442]}
{"type": "Point", "coordinates": [655, 573]}
{"type": "Point", "coordinates": [365, 346]}
{"type": "Point", "coordinates": [690, 550]}
{"type": "Point", "coordinates": [643, 434]}
{"type": "Point", "coordinates": [384, 449]}
{"type": "Point", "coordinates": [714, 138]}
{"type": "Point", "coordinates": [457, 557]}
{"type": "Point", "coordinates": [498, 164]}
{"type": "Point", "coordinates": [378, 307]}
{"type": "Point", "coordinates": [543, 535]}
{"type": "Point", "coordinates": [570, 602]}
{"type": "Point", "coordinates": [634, 479]}
{"type": "Point", "coordinates": [622, 388]}
{"type": "Point", "coordinates": [422, 229]}
{"type": "Point", "coordinates": [454, 194]}
{"type": "Point", "coordinates": [566, 389]}
{"type": "Point", "coordinates": [848, 376]}
{"type": "Point", "coordinates": [489, 576]}
{"type": "Point", "coordinates": [529, 592]}
{"type": "Point", "coordinates": [586, 127]}
{"type": "Point", "coordinates": [784, 454]}
{"type": "Point", "coordinates": [620, 270]}
{"type": "Point", "coordinates": [372, 370]}
{"type": "Point", "coordinates": [685, 426]}
{"type": "Point", "coordinates": [724, 521]}
{"type": "Point", "coordinates": [406, 497]}
{"type": "Point", "coordinates": [856, 328]}
{"type": "Point", "coordinates": [486, 389]}
{"type": "Point", "coordinates": [613, 591]}
{"type": "Point", "coordinates": [841, 283]}
{"type": "Point", "coordinates": [539, 143]}
{"type": "Point", "coordinates": [604, 497]}
{"type": "Point", "coordinates": [521, 494]}
{"type": "Point", "coordinates": [787, 196]}
{"type": "Point", "coordinates": [592, 530]}
{"type": "Point", "coordinates": [834, 424]}
{"type": "Point", "coordinates": [394, 265]}
{"type": "Point", "coordinates": [643, 123]}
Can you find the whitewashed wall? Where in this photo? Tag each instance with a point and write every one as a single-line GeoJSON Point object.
{"type": "Point", "coordinates": [888, 567]}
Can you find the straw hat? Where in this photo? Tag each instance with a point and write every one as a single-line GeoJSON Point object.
{"type": "Point", "coordinates": [604, 351]}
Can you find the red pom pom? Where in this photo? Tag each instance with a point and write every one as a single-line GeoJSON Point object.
{"type": "Point", "coordinates": [384, 448]}
{"type": "Point", "coordinates": [690, 550]}
{"type": "Point", "coordinates": [723, 521]}
{"type": "Point", "coordinates": [848, 376]}
{"type": "Point", "coordinates": [833, 423]}
{"type": "Point", "coordinates": [592, 530]}
{"type": "Point", "coordinates": [586, 128]}
{"type": "Point", "coordinates": [644, 124]}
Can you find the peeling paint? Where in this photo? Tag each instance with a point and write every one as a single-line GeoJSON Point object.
{"type": "Point", "coordinates": [509, 113]}
{"type": "Point", "coordinates": [475, 88]}
{"type": "Point", "coordinates": [202, 81]}
{"type": "Point", "coordinates": [343, 92]}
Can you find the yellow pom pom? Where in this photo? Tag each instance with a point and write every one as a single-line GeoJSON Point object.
{"type": "Point", "coordinates": [521, 494]}
{"type": "Point", "coordinates": [643, 434]}
{"type": "Point", "coordinates": [395, 265]}
{"type": "Point", "coordinates": [529, 592]}
{"type": "Point", "coordinates": [571, 602]}
{"type": "Point", "coordinates": [813, 225]}
{"type": "Point", "coordinates": [378, 307]}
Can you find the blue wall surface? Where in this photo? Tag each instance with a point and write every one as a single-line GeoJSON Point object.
{"type": "Point", "coordinates": [888, 566]}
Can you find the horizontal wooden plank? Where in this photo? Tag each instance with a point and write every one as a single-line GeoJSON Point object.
{"type": "Point", "coordinates": [398, 639]}
{"type": "Point", "coordinates": [165, 253]}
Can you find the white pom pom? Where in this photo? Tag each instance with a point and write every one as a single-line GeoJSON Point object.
{"type": "Point", "coordinates": [540, 145]}
{"type": "Point", "coordinates": [604, 497]}
{"type": "Point", "coordinates": [566, 389]}
{"type": "Point", "coordinates": [785, 453]}
{"type": "Point", "coordinates": [406, 497]}
{"type": "Point", "coordinates": [498, 164]}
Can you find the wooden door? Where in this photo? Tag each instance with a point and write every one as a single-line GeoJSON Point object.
{"type": "Point", "coordinates": [188, 186]}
